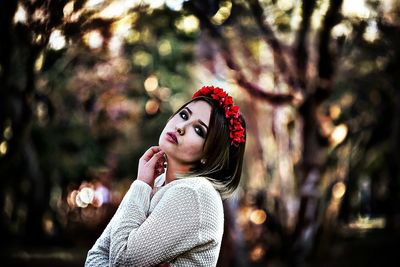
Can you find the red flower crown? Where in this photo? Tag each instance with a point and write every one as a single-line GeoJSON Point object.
{"type": "Point", "coordinates": [236, 130]}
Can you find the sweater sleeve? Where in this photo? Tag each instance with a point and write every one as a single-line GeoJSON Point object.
{"type": "Point", "coordinates": [170, 230]}
{"type": "Point", "coordinates": [98, 255]}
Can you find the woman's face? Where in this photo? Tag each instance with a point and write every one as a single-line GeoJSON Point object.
{"type": "Point", "coordinates": [184, 136]}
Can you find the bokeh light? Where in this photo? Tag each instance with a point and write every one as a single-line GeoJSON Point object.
{"type": "Point", "coordinates": [142, 58]}
{"type": "Point", "coordinates": [223, 12]}
{"type": "Point", "coordinates": [342, 29]}
{"type": "Point", "coordinates": [79, 202]}
{"type": "Point", "coordinates": [356, 8]}
{"type": "Point", "coordinates": [8, 133]}
{"type": "Point", "coordinates": [95, 194]}
{"type": "Point", "coordinates": [339, 134]}
{"type": "Point", "coordinates": [115, 9]}
{"type": "Point", "coordinates": [86, 195]}
{"type": "Point", "coordinates": [285, 5]}
{"type": "Point", "coordinates": [39, 62]}
{"type": "Point", "coordinates": [93, 3]}
{"type": "Point", "coordinates": [175, 5]}
{"type": "Point", "coordinates": [21, 15]}
{"type": "Point", "coordinates": [258, 216]}
{"type": "Point", "coordinates": [334, 111]}
{"type": "Point", "coordinates": [3, 147]}
{"type": "Point", "coordinates": [188, 24]}
{"type": "Point", "coordinates": [93, 39]}
{"type": "Point", "coordinates": [371, 32]}
{"type": "Point", "coordinates": [154, 4]}
{"type": "Point", "coordinates": [257, 253]}
{"type": "Point", "coordinates": [338, 190]}
{"type": "Point", "coordinates": [164, 48]}
{"type": "Point", "coordinates": [151, 83]}
{"type": "Point", "coordinates": [57, 40]}
{"type": "Point", "coordinates": [48, 224]}
{"type": "Point", "coordinates": [164, 93]}
{"type": "Point", "coordinates": [115, 45]}
{"type": "Point", "coordinates": [151, 107]}
{"type": "Point", "coordinates": [68, 9]}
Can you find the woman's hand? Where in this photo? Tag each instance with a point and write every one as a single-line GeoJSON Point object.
{"type": "Point", "coordinates": [151, 165]}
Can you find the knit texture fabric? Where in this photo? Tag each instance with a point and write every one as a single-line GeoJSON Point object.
{"type": "Point", "coordinates": [181, 224]}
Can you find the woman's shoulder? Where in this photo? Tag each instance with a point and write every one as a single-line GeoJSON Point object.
{"type": "Point", "coordinates": [195, 182]}
{"type": "Point", "coordinates": [201, 185]}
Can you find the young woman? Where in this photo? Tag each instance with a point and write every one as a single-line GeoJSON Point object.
{"type": "Point", "coordinates": [181, 222]}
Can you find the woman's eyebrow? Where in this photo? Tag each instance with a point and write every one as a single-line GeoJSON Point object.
{"type": "Point", "coordinates": [188, 109]}
{"type": "Point", "coordinates": [200, 121]}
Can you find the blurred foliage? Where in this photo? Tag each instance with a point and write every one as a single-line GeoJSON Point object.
{"type": "Point", "coordinates": [101, 97]}
{"type": "Point", "coordinates": [100, 80]}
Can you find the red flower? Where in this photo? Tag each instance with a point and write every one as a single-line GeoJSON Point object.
{"type": "Point", "coordinates": [228, 101]}
{"type": "Point", "coordinates": [236, 131]}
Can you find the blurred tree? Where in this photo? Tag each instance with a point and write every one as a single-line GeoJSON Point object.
{"type": "Point", "coordinates": [321, 66]}
{"type": "Point", "coordinates": [20, 171]}
{"type": "Point", "coordinates": [84, 87]}
{"type": "Point", "coordinates": [308, 82]}
{"type": "Point", "coordinates": [372, 109]}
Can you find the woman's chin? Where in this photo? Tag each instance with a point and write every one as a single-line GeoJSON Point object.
{"type": "Point", "coordinates": [161, 144]}
{"type": "Point", "coordinates": [165, 146]}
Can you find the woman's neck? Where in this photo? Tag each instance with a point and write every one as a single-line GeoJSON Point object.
{"type": "Point", "coordinates": [174, 168]}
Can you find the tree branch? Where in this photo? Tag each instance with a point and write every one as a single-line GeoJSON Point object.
{"type": "Point", "coordinates": [326, 61]}
{"type": "Point", "coordinates": [301, 53]}
{"type": "Point", "coordinates": [227, 54]}
{"type": "Point", "coordinates": [270, 38]}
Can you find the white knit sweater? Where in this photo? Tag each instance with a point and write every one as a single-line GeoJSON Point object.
{"type": "Point", "coordinates": [182, 224]}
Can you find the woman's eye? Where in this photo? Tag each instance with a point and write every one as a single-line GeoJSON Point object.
{"type": "Point", "coordinates": [184, 115]}
{"type": "Point", "coordinates": [199, 130]}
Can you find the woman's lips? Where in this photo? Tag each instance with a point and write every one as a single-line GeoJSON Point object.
{"type": "Point", "coordinates": [172, 137]}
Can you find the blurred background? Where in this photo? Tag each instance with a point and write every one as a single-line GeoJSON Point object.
{"type": "Point", "coordinates": [86, 86]}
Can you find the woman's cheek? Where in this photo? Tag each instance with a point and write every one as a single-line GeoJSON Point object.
{"type": "Point", "coordinates": [195, 151]}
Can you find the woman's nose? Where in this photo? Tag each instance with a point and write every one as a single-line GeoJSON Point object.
{"type": "Point", "coordinates": [180, 130]}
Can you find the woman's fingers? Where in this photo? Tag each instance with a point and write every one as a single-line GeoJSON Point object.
{"type": "Point", "coordinates": [159, 165]}
{"type": "Point", "coordinates": [155, 158]}
{"type": "Point", "coordinates": [151, 165]}
{"type": "Point", "coordinates": [161, 161]}
{"type": "Point", "coordinates": [150, 152]}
